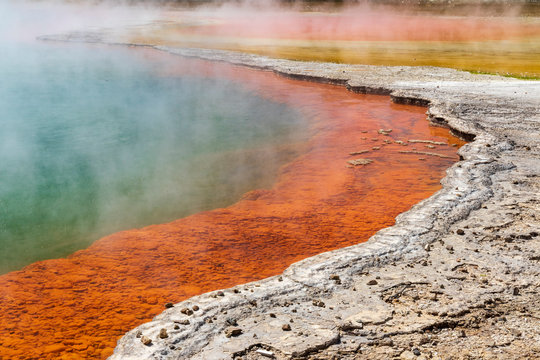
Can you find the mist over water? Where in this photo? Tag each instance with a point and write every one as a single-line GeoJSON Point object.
{"type": "Point", "coordinates": [94, 140]}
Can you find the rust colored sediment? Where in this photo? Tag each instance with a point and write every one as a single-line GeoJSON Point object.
{"type": "Point", "coordinates": [77, 308]}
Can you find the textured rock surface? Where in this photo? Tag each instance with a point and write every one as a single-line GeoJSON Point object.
{"type": "Point", "coordinates": [456, 277]}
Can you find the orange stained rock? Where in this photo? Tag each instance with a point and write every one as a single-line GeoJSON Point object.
{"type": "Point", "coordinates": [77, 308]}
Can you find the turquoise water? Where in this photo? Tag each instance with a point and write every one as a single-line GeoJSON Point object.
{"type": "Point", "coordinates": [94, 141]}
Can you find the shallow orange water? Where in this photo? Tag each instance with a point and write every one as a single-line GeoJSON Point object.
{"type": "Point", "coordinates": [361, 25]}
{"type": "Point", "coordinates": [77, 308]}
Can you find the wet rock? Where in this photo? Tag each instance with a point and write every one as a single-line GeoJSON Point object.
{"type": "Point", "coordinates": [233, 332]}
{"type": "Point", "coordinates": [358, 162]}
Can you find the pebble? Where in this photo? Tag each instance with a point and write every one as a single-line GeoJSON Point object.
{"type": "Point", "coordinates": [146, 340]}
{"type": "Point", "coordinates": [187, 311]}
{"type": "Point", "coordinates": [372, 282]}
{"type": "Point", "coordinates": [286, 327]}
{"type": "Point", "coordinates": [233, 332]}
{"type": "Point", "coordinates": [168, 305]}
{"type": "Point", "coordinates": [163, 334]}
{"type": "Point", "coordinates": [416, 352]}
{"type": "Point", "coordinates": [319, 303]}
{"type": "Point", "coordinates": [460, 232]}
{"type": "Point", "coordinates": [195, 308]}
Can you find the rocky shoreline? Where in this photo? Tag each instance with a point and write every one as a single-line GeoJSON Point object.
{"type": "Point", "coordinates": [457, 277]}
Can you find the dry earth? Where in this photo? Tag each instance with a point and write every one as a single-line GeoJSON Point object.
{"type": "Point", "coordinates": [457, 277]}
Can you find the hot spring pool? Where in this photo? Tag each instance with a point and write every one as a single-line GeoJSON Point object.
{"type": "Point", "coordinates": [95, 140]}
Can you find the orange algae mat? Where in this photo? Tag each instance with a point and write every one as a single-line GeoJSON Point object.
{"type": "Point", "coordinates": [77, 308]}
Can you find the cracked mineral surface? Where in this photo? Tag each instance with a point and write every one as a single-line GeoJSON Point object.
{"type": "Point", "coordinates": [457, 277]}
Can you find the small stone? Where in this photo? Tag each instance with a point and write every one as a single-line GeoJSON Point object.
{"type": "Point", "coordinates": [195, 308]}
{"type": "Point", "coordinates": [515, 291]}
{"type": "Point", "coordinates": [319, 303]}
{"type": "Point", "coordinates": [449, 248]}
{"type": "Point", "coordinates": [138, 334]}
{"type": "Point", "coordinates": [163, 334]}
{"type": "Point", "coordinates": [460, 232]}
{"type": "Point", "coordinates": [146, 340]}
{"type": "Point", "coordinates": [416, 352]}
{"type": "Point", "coordinates": [334, 277]}
{"type": "Point", "coordinates": [265, 353]}
{"type": "Point", "coordinates": [372, 282]}
{"type": "Point", "coordinates": [187, 311]}
{"type": "Point", "coordinates": [236, 291]}
{"type": "Point", "coordinates": [286, 327]}
{"type": "Point", "coordinates": [220, 293]}
{"type": "Point", "coordinates": [233, 332]}
{"type": "Point", "coordinates": [231, 321]}
{"type": "Point", "coordinates": [182, 322]}
{"type": "Point", "coordinates": [168, 305]}
{"type": "Point", "coordinates": [176, 327]}
{"type": "Point", "coordinates": [386, 342]}
{"type": "Point", "coordinates": [272, 315]}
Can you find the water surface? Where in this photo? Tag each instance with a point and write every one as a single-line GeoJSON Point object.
{"type": "Point", "coordinates": [95, 140]}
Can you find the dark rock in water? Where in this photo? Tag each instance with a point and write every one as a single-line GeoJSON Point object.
{"type": "Point", "coordinates": [372, 282]}
{"type": "Point", "coordinates": [163, 334]}
{"type": "Point", "coordinates": [286, 327]}
{"type": "Point", "coordinates": [146, 340]}
{"type": "Point", "coordinates": [233, 332]}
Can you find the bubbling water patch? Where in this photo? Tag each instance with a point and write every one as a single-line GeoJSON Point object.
{"type": "Point", "coordinates": [324, 199]}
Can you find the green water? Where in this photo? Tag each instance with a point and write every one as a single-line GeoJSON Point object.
{"type": "Point", "coordinates": [93, 140]}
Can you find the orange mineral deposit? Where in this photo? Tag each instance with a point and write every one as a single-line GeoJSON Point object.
{"type": "Point", "coordinates": [78, 307]}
